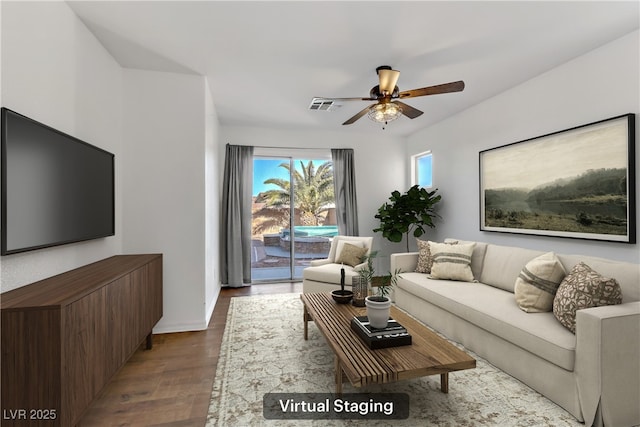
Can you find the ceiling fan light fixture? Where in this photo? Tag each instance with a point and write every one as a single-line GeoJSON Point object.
{"type": "Point", "coordinates": [388, 79]}
{"type": "Point", "coordinates": [384, 112]}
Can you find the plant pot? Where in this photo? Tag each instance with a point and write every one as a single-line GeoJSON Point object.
{"type": "Point", "coordinates": [378, 309]}
{"type": "Point", "coordinates": [342, 297]}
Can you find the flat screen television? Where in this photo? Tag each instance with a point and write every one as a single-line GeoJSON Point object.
{"type": "Point", "coordinates": [56, 189]}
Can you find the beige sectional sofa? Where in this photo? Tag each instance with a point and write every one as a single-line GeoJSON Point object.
{"type": "Point", "coordinates": [594, 374]}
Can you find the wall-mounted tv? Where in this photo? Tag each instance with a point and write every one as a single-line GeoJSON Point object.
{"type": "Point", "coordinates": [56, 189]}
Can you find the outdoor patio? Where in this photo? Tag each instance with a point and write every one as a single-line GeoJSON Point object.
{"type": "Point", "coordinates": [271, 253]}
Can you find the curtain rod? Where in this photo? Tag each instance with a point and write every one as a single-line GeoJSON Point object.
{"type": "Point", "coordinates": [289, 148]}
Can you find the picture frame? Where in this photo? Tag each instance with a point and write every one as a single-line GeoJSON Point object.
{"type": "Point", "coordinates": [575, 183]}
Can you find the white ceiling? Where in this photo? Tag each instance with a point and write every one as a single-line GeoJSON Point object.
{"type": "Point", "coordinates": [266, 60]}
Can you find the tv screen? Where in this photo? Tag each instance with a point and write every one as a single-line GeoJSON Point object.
{"type": "Point", "coordinates": [56, 189]}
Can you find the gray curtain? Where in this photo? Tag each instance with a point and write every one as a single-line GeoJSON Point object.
{"type": "Point", "coordinates": [344, 183]}
{"type": "Point", "coordinates": [235, 230]}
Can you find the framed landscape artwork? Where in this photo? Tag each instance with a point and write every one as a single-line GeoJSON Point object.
{"type": "Point", "coordinates": [577, 183]}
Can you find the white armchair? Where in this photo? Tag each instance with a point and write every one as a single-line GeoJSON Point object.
{"type": "Point", "coordinates": [323, 275]}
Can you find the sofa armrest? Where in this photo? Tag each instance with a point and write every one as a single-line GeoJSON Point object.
{"type": "Point", "coordinates": [318, 262]}
{"type": "Point", "coordinates": [608, 364]}
{"type": "Point", "coordinates": [406, 261]}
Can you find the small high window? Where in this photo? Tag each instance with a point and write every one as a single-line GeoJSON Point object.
{"type": "Point", "coordinates": [422, 169]}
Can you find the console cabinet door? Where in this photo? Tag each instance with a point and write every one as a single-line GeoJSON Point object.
{"type": "Point", "coordinates": [84, 350]}
{"type": "Point", "coordinates": [137, 329]}
{"type": "Point", "coordinates": [30, 343]}
{"type": "Point", "coordinates": [116, 308]}
{"type": "Point", "coordinates": [154, 294]}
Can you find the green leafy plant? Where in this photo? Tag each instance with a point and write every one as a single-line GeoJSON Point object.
{"type": "Point", "coordinates": [411, 212]}
{"type": "Point", "coordinates": [386, 282]}
{"type": "Point", "coordinates": [367, 273]}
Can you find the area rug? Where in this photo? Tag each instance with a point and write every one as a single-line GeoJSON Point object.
{"type": "Point", "coordinates": [264, 351]}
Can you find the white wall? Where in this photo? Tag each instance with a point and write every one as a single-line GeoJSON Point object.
{"type": "Point", "coordinates": [55, 71]}
{"type": "Point", "coordinates": [379, 163]}
{"type": "Point", "coordinates": [212, 204]}
{"type": "Point", "coordinates": [164, 201]}
{"type": "Point", "coordinates": [601, 84]}
{"type": "Point", "coordinates": [163, 130]}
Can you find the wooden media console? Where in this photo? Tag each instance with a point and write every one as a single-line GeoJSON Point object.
{"type": "Point", "coordinates": [63, 338]}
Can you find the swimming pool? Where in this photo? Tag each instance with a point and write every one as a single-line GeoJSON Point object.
{"type": "Point", "coordinates": [313, 231]}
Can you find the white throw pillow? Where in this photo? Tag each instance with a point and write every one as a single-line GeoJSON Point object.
{"type": "Point", "coordinates": [538, 282]}
{"type": "Point", "coordinates": [451, 262]}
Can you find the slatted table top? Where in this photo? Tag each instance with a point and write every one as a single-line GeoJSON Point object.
{"type": "Point", "coordinates": [428, 354]}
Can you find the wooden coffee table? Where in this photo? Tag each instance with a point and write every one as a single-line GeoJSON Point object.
{"type": "Point", "coordinates": [429, 354]}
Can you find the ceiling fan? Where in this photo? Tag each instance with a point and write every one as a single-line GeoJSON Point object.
{"type": "Point", "coordinates": [386, 93]}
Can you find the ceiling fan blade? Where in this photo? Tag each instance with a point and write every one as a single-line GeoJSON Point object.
{"type": "Point", "coordinates": [388, 80]}
{"type": "Point", "coordinates": [433, 90]}
{"type": "Point", "coordinates": [408, 110]}
{"type": "Point", "coordinates": [321, 98]}
{"type": "Point", "coordinates": [354, 99]}
{"type": "Point", "coordinates": [357, 116]}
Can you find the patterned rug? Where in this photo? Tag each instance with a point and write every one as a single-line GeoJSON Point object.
{"type": "Point", "coordinates": [264, 351]}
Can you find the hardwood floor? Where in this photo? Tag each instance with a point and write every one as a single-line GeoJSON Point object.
{"type": "Point", "coordinates": [170, 384]}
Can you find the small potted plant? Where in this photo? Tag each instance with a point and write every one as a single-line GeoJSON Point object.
{"type": "Point", "coordinates": [379, 305]}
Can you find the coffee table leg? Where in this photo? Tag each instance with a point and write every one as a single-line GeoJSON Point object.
{"type": "Point", "coordinates": [305, 315]}
{"type": "Point", "coordinates": [338, 370]}
{"type": "Point", "coordinates": [444, 382]}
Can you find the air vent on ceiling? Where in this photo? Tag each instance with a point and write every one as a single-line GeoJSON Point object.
{"type": "Point", "coordinates": [323, 104]}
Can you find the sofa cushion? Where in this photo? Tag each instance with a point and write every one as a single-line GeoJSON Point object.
{"type": "Point", "coordinates": [451, 262]}
{"type": "Point", "coordinates": [351, 254]}
{"type": "Point", "coordinates": [477, 258]}
{"type": "Point", "coordinates": [538, 282]}
{"type": "Point", "coordinates": [583, 288]}
{"type": "Point", "coordinates": [503, 264]}
{"type": "Point", "coordinates": [496, 311]}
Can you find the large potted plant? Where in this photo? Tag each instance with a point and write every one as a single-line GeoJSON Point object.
{"type": "Point", "coordinates": [411, 212]}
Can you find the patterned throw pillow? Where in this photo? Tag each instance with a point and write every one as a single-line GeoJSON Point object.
{"type": "Point", "coordinates": [424, 257]}
{"type": "Point", "coordinates": [583, 288]}
{"type": "Point", "coordinates": [351, 255]}
{"type": "Point", "coordinates": [340, 245]}
{"type": "Point", "coordinates": [538, 282]}
{"type": "Point", "coordinates": [452, 262]}
{"type": "Point", "coordinates": [425, 260]}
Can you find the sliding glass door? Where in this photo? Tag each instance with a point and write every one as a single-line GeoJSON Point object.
{"type": "Point", "coordinates": [293, 215]}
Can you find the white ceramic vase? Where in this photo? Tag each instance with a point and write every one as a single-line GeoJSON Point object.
{"type": "Point", "coordinates": [378, 311]}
